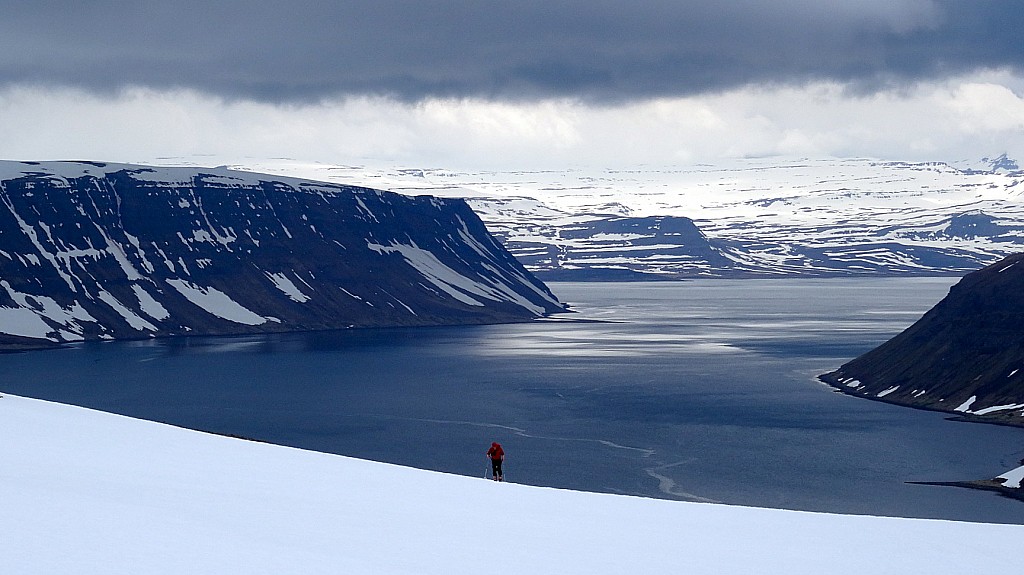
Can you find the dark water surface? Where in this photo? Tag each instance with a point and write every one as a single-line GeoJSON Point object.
{"type": "Point", "coordinates": [700, 390]}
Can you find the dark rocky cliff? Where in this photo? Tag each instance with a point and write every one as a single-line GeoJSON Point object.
{"type": "Point", "coordinates": [101, 251]}
{"type": "Point", "coordinates": [966, 355]}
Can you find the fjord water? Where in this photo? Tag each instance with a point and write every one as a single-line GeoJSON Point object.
{"type": "Point", "coordinates": [702, 390]}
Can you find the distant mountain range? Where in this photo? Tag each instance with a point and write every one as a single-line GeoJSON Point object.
{"type": "Point", "coordinates": [759, 217]}
{"type": "Point", "coordinates": [108, 251]}
{"type": "Point", "coordinates": [965, 356]}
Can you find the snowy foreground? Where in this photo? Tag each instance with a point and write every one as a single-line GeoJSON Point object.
{"type": "Point", "coordinates": [88, 492]}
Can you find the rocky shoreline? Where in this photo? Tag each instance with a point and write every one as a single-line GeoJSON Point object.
{"type": "Point", "coordinates": [994, 485]}
{"type": "Point", "coordinates": [1009, 418]}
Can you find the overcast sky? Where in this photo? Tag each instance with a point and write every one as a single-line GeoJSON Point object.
{"type": "Point", "coordinates": [515, 84]}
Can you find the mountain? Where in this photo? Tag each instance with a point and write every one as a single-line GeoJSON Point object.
{"type": "Point", "coordinates": [763, 217]}
{"type": "Point", "coordinates": [966, 355]}
{"type": "Point", "coordinates": [606, 249]}
{"type": "Point", "coordinates": [100, 251]}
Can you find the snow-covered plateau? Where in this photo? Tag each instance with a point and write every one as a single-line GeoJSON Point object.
{"type": "Point", "coordinates": [754, 217]}
{"type": "Point", "coordinates": [88, 492]}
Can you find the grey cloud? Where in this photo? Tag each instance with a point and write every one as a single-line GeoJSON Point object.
{"type": "Point", "coordinates": [602, 50]}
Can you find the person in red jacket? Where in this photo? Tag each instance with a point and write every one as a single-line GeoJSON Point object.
{"type": "Point", "coordinates": [497, 455]}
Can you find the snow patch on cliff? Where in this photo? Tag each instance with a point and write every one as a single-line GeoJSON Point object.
{"type": "Point", "coordinates": [217, 303]}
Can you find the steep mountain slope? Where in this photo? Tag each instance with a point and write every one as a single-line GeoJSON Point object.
{"type": "Point", "coordinates": [99, 251]}
{"type": "Point", "coordinates": [757, 217]}
{"type": "Point", "coordinates": [966, 355]}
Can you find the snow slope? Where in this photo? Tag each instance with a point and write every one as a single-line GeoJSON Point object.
{"type": "Point", "coordinates": [87, 492]}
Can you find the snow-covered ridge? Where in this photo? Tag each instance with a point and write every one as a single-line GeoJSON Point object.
{"type": "Point", "coordinates": [168, 175]}
{"type": "Point", "coordinates": [770, 216]}
{"type": "Point", "coordinates": [93, 250]}
{"type": "Point", "coordinates": [87, 492]}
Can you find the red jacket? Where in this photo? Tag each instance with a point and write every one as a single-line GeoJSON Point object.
{"type": "Point", "coordinates": [496, 452]}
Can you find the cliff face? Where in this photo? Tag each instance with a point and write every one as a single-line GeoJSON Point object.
{"type": "Point", "coordinates": [966, 355]}
{"type": "Point", "coordinates": [102, 251]}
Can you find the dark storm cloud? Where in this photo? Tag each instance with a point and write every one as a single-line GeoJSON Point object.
{"type": "Point", "coordinates": [600, 50]}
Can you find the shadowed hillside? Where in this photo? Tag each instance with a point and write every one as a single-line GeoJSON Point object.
{"type": "Point", "coordinates": [966, 355]}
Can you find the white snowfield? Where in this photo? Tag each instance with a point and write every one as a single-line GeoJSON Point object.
{"type": "Point", "coordinates": [1013, 477]}
{"type": "Point", "coordinates": [86, 492]}
{"type": "Point", "coordinates": [790, 215]}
